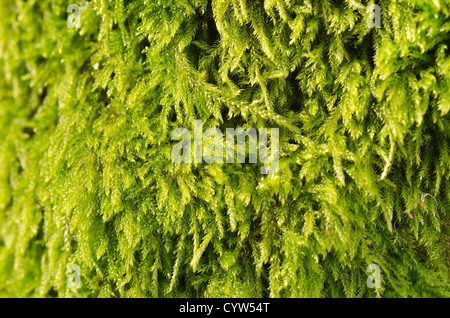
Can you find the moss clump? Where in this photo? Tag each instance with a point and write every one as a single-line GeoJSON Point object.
{"type": "Point", "coordinates": [86, 178]}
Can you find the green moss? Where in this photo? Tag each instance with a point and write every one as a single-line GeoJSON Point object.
{"type": "Point", "coordinates": [86, 178]}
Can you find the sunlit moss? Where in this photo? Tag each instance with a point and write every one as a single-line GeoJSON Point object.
{"type": "Point", "coordinates": [86, 177]}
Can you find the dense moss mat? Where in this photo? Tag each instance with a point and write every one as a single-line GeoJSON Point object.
{"type": "Point", "coordinates": [86, 178]}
